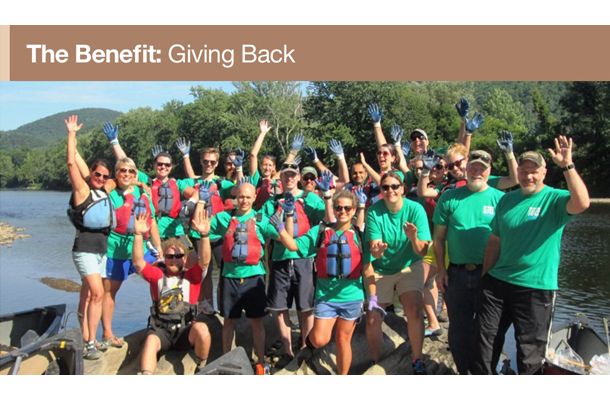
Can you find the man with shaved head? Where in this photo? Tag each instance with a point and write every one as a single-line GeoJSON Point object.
{"type": "Point", "coordinates": [244, 233]}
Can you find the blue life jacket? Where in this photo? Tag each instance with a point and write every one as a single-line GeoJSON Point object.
{"type": "Point", "coordinates": [96, 214]}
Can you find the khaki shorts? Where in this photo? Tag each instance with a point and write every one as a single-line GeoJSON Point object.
{"type": "Point", "coordinates": [410, 279]}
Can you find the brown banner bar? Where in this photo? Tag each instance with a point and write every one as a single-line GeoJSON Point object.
{"type": "Point", "coordinates": [175, 53]}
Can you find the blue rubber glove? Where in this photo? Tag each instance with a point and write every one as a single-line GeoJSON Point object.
{"type": "Point", "coordinates": [374, 306]}
{"type": "Point", "coordinates": [361, 196]}
{"type": "Point", "coordinates": [430, 160]}
{"type": "Point", "coordinates": [324, 182]}
{"type": "Point", "coordinates": [139, 208]}
{"type": "Point", "coordinates": [475, 122]}
{"type": "Point", "coordinates": [297, 142]}
{"type": "Point", "coordinates": [244, 179]}
{"type": "Point", "coordinates": [311, 153]}
{"type": "Point", "coordinates": [204, 191]}
{"type": "Point", "coordinates": [156, 150]}
{"type": "Point", "coordinates": [375, 113]}
{"type": "Point", "coordinates": [505, 141]}
{"type": "Point", "coordinates": [288, 205]}
{"type": "Point", "coordinates": [277, 221]}
{"type": "Point", "coordinates": [396, 134]}
{"type": "Point", "coordinates": [462, 107]}
{"type": "Point", "coordinates": [337, 148]}
{"type": "Point", "coordinates": [183, 146]}
{"type": "Point", "coordinates": [238, 160]}
{"type": "Point", "coordinates": [297, 160]}
{"type": "Point", "coordinates": [406, 149]}
{"type": "Point", "coordinates": [111, 132]}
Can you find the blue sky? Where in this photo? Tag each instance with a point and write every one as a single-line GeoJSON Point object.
{"type": "Point", "coordinates": [23, 102]}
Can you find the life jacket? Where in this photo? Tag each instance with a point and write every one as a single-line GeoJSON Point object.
{"type": "Point", "coordinates": [96, 214]}
{"type": "Point", "coordinates": [265, 189]}
{"type": "Point", "coordinates": [171, 310]}
{"type": "Point", "coordinates": [126, 214]}
{"type": "Point", "coordinates": [374, 193]}
{"type": "Point", "coordinates": [454, 185]}
{"type": "Point", "coordinates": [301, 220]}
{"type": "Point", "coordinates": [166, 197]}
{"type": "Point", "coordinates": [240, 243]}
{"type": "Point", "coordinates": [216, 204]}
{"type": "Point", "coordinates": [338, 256]}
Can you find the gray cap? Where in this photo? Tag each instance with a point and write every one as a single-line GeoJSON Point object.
{"type": "Point", "coordinates": [309, 170]}
{"type": "Point", "coordinates": [481, 157]}
{"type": "Point", "coordinates": [534, 157]}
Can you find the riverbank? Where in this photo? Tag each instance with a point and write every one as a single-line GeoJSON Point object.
{"type": "Point", "coordinates": [8, 234]}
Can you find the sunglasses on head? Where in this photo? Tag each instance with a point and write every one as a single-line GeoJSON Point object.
{"type": "Point", "coordinates": [99, 175]}
{"type": "Point", "coordinates": [481, 157]}
{"type": "Point", "coordinates": [343, 208]}
{"type": "Point", "coordinates": [457, 163]}
{"type": "Point", "coordinates": [127, 170]}
{"type": "Point", "coordinates": [164, 164]}
{"type": "Point", "coordinates": [290, 166]}
{"type": "Point", "coordinates": [394, 186]}
{"type": "Point", "coordinates": [210, 162]}
{"type": "Point", "coordinates": [174, 256]}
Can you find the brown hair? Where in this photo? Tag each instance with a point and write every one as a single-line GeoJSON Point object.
{"type": "Point", "coordinates": [345, 194]}
{"type": "Point", "coordinates": [210, 150]}
{"type": "Point", "coordinates": [390, 174]}
{"type": "Point", "coordinates": [175, 243]}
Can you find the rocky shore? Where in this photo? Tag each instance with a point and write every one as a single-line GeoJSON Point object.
{"type": "Point", "coordinates": [8, 234]}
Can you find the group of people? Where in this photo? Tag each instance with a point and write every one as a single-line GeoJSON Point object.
{"type": "Point", "coordinates": [336, 245]}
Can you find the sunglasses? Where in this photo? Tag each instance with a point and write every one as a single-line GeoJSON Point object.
{"type": "Point", "coordinates": [384, 153]}
{"type": "Point", "coordinates": [343, 208]}
{"type": "Point", "coordinates": [452, 165]}
{"type": "Point", "coordinates": [393, 186]}
{"type": "Point", "coordinates": [164, 164]}
{"type": "Point", "coordinates": [174, 256]}
{"type": "Point", "coordinates": [290, 166]}
{"type": "Point", "coordinates": [98, 175]}
{"type": "Point", "coordinates": [440, 166]}
{"type": "Point", "coordinates": [210, 162]}
{"type": "Point", "coordinates": [481, 157]}
{"type": "Point", "coordinates": [417, 136]}
{"type": "Point", "coordinates": [309, 178]}
{"type": "Point", "coordinates": [127, 170]}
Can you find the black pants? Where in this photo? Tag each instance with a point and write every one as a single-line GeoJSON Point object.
{"type": "Point", "coordinates": [461, 297]}
{"type": "Point", "coordinates": [530, 311]}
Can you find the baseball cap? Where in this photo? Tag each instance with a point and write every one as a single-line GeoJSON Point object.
{"type": "Point", "coordinates": [418, 132]}
{"type": "Point", "coordinates": [534, 157]}
{"type": "Point", "coordinates": [290, 167]}
{"type": "Point", "coordinates": [481, 157]}
{"type": "Point", "coordinates": [309, 170]}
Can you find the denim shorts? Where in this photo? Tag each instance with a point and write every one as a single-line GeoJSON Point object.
{"type": "Point", "coordinates": [89, 263]}
{"type": "Point", "coordinates": [349, 311]}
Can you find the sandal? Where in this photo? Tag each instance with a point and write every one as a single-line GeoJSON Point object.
{"type": "Point", "coordinates": [113, 342]}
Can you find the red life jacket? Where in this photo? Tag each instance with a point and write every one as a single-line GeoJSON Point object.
{"type": "Point", "coordinates": [301, 220]}
{"type": "Point", "coordinates": [216, 204]}
{"type": "Point", "coordinates": [266, 188]}
{"type": "Point", "coordinates": [338, 256]}
{"type": "Point", "coordinates": [241, 244]}
{"type": "Point", "coordinates": [166, 197]}
{"type": "Point", "coordinates": [125, 214]}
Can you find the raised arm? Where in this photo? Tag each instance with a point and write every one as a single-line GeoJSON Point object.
{"type": "Point", "coordinates": [112, 133]}
{"type": "Point", "coordinates": [140, 227]}
{"type": "Point", "coordinates": [361, 210]}
{"type": "Point", "coordinates": [505, 142]}
{"type": "Point", "coordinates": [323, 185]}
{"type": "Point", "coordinates": [337, 148]}
{"type": "Point", "coordinates": [562, 157]}
{"type": "Point", "coordinates": [284, 237]}
{"type": "Point", "coordinates": [79, 185]}
{"type": "Point", "coordinates": [369, 170]}
{"type": "Point", "coordinates": [201, 224]}
{"type": "Point", "coordinates": [185, 149]}
{"type": "Point", "coordinates": [472, 125]}
{"type": "Point", "coordinates": [256, 148]}
{"type": "Point", "coordinates": [397, 132]}
{"type": "Point", "coordinates": [295, 147]}
{"type": "Point", "coordinates": [430, 161]}
{"type": "Point", "coordinates": [376, 115]}
{"type": "Point", "coordinates": [462, 108]}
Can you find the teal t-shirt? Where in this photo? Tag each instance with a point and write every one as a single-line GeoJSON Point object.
{"type": "Point", "coordinates": [314, 209]}
{"type": "Point", "coordinates": [264, 230]}
{"type": "Point", "coordinates": [224, 191]}
{"type": "Point", "coordinates": [467, 216]}
{"type": "Point", "coordinates": [172, 227]}
{"type": "Point", "coordinates": [120, 246]}
{"type": "Point", "coordinates": [381, 224]}
{"type": "Point", "coordinates": [530, 229]}
{"type": "Point", "coordinates": [336, 290]}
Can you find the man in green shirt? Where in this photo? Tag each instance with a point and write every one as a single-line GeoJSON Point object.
{"type": "Point", "coordinates": [461, 220]}
{"type": "Point", "coordinates": [522, 258]}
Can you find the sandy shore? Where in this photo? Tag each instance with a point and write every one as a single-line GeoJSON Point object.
{"type": "Point", "coordinates": [8, 234]}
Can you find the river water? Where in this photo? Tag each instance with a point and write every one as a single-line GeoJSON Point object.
{"type": "Point", "coordinates": [584, 278]}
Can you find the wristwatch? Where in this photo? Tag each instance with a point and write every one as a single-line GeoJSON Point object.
{"type": "Point", "coordinates": [568, 167]}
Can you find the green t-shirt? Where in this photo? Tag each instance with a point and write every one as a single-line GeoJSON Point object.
{"type": "Point", "coordinates": [224, 191]}
{"type": "Point", "coordinates": [255, 178]}
{"type": "Point", "coordinates": [314, 209]}
{"type": "Point", "coordinates": [172, 227]}
{"type": "Point", "coordinates": [467, 216]}
{"type": "Point", "coordinates": [381, 224]}
{"type": "Point", "coordinates": [119, 245]}
{"type": "Point", "coordinates": [337, 290]}
{"type": "Point", "coordinates": [264, 230]}
{"type": "Point", "coordinates": [530, 229]}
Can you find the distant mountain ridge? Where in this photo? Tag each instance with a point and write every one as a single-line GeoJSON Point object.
{"type": "Point", "coordinates": [48, 130]}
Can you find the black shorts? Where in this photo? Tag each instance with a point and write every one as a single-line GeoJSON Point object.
{"type": "Point", "coordinates": [243, 294]}
{"type": "Point", "coordinates": [177, 339]}
{"type": "Point", "coordinates": [291, 280]}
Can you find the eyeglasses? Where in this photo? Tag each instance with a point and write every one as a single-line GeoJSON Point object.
{"type": "Point", "coordinates": [309, 178]}
{"type": "Point", "coordinates": [98, 175]}
{"type": "Point", "coordinates": [174, 256]}
{"type": "Point", "coordinates": [290, 166]}
{"type": "Point", "coordinates": [384, 153]}
{"type": "Point", "coordinates": [482, 157]}
{"type": "Point", "coordinates": [210, 162]}
{"type": "Point", "coordinates": [393, 186]}
{"type": "Point", "coordinates": [417, 136]}
{"type": "Point", "coordinates": [164, 164]}
{"type": "Point", "coordinates": [457, 163]}
{"type": "Point", "coordinates": [343, 208]}
{"type": "Point", "coordinates": [127, 170]}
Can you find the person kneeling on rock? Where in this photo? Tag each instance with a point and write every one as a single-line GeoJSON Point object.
{"type": "Point", "coordinates": [175, 283]}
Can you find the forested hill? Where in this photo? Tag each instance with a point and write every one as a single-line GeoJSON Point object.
{"type": "Point", "coordinates": [48, 130]}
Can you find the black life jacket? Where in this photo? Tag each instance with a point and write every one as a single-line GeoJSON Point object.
{"type": "Point", "coordinates": [96, 214]}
